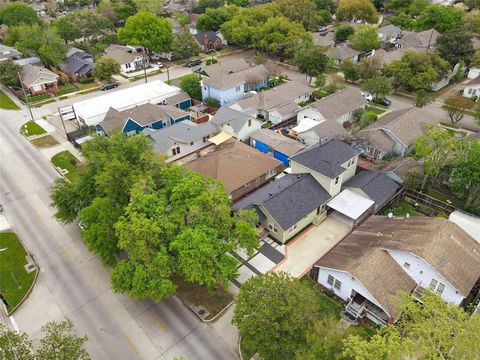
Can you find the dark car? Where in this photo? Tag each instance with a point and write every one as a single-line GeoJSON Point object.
{"type": "Point", "coordinates": [108, 86]}
{"type": "Point", "coordinates": [382, 101]}
{"type": "Point", "coordinates": [194, 63]}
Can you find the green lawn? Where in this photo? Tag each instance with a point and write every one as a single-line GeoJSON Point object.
{"type": "Point", "coordinates": [65, 160]}
{"type": "Point", "coordinates": [44, 141]}
{"type": "Point", "coordinates": [401, 208]}
{"type": "Point", "coordinates": [66, 89]}
{"type": "Point", "coordinates": [445, 198]}
{"type": "Point", "coordinates": [179, 79]}
{"type": "Point", "coordinates": [15, 280]}
{"type": "Point", "coordinates": [375, 109]}
{"type": "Point", "coordinates": [6, 103]}
{"type": "Point", "coordinates": [32, 128]}
{"type": "Point", "coordinates": [35, 98]}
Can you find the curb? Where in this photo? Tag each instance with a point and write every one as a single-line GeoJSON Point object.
{"type": "Point", "coordinates": [239, 348]}
{"type": "Point", "coordinates": [27, 294]}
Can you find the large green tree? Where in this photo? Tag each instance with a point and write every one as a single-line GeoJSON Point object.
{"type": "Point", "coordinates": [310, 59]}
{"type": "Point", "coordinates": [145, 29]}
{"type": "Point", "coordinates": [455, 45]}
{"type": "Point", "coordinates": [357, 10]}
{"type": "Point", "coordinates": [213, 19]}
{"type": "Point", "coordinates": [302, 11]}
{"type": "Point", "coordinates": [378, 86]}
{"type": "Point", "coordinates": [343, 32]}
{"type": "Point", "coordinates": [276, 312]}
{"type": "Point", "coordinates": [430, 329]}
{"type": "Point", "coordinates": [185, 45]}
{"type": "Point", "coordinates": [439, 17]}
{"type": "Point", "coordinates": [365, 38]}
{"type": "Point", "coordinates": [153, 6]}
{"type": "Point", "coordinates": [456, 106]}
{"type": "Point", "coordinates": [191, 85]}
{"type": "Point", "coordinates": [105, 67]}
{"type": "Point", "coordinates": [9, 73]}
{"type": "Point", "coordinates": [17, 13]}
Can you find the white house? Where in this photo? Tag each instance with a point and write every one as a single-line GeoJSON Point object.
{"type": "Point", "coordinates": [235, 123]}
{"type": "Point", "coordinates": [130, 58]}
{"type": "Point", "coordinates": [472, 89]}
{"type": "Point", "coordinates": [385, 256]}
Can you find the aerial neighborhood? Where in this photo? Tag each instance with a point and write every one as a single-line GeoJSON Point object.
{"type": "Point", "coordinates": [240, 179]}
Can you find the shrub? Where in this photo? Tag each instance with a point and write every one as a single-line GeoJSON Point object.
{"type": "Point", "coordinates": [368, 118]}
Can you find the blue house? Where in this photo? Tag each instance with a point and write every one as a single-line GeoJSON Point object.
{"type": "Point", "coordinates": [275, 144]}
{"type": "Point", "coordinates": [181, 101]}
{"type": "Point", "coordinates": [147, 116]}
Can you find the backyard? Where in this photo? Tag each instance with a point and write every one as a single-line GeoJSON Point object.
{"type": "Point", "coordinates": [6, 103]}
{"type": "Point", "coordinates": [401, 208]}
{"type": "Point", "coordinates": [65, 160]}
{"type": "Point", "coordinates": [16, 281]}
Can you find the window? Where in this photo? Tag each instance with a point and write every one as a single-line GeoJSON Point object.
{"type": "Point", "coordinates": [272, 227]}
{"type": "Point", "coordinates": [433, 284]}
{"type": "Point", "coordinates": [336, 180]}
{"type": "Point", "coordinates": [247, 185]}
{"type": "Point", "coordinates": [338, 284]}
{"type": "Point", "coordinates": [406, 265]}
{"type": "Point", "coordinates": [271, 173]}
{"type": "Point", "coordinates": [237, 89]}
{"type": "Point", "coordinates": [469, 91]}
{"type": "Point", "coordinates": [204, 139]}
{"type": "Point", "coordinates": [249, 122]}
{"type": "Point", "coordinates": [330, 280]}
{"type": "Point", "coordinates": [292, 229]}
{"type": "Point", "coordinates": [440, 288]}
{"type": "Point", "coordinates": [176, 150]}
{"type": "Point", "coordinates": [37, 87]}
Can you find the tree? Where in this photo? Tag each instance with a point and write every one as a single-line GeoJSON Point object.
{"type": "Point", "coordinates": [365, 38]}
{"type": "Point", "coordinates": [357, 10]}
{"type": "Point", "coordinates": [368, 68]}
{"type": "Point", "coordinates": [349, 70]}
{"type": "Point", "coordinates": [15, 345]}
{"type": "Point", "coordinates": [432, 328]}
{"type": "Point", "coordinates": [343, 32]}
{"type": "Point", "coordinates": [213, 19]}
{"type": "Point", "coordinates": [185, 46]}
{"type": "Point", "coordinates": [403, 20]}
{"type": "Point", "coordinates": [60, 342]}
{"type": "Point", "coordinates": [367, 118]}
{"type": "Point", "coordinates": [153, 6]}
{"type": "Point", "coordinates": [320, 81]}
{"type": "Point", "coordinates": [9, 73]}
{"type": "Point", "coordinates": [418, 6]}
{"type": "Point", "coordinates": [416, 70]}
{"type": "Point", "coordinates": [105, 67]}
{"type": "Point", "coordinates": [439, 17]}
{"type": "Point", "coordinates": [17, 13]}
{"type": "Point", "coordinates": [475, 62]}
{"type": "Point", "coordinates": [423, 98]}
{"type": "Point", "coordinates": [191, 85]}
{"type": "Point", "coordinates": [239, 3]}
{"type": "Point", "coordinates": [302, 11]}
{"type": "Point", "coordinates": [310, 59]}
{"type": "Point", "coordinates": [203, 5]}
{"type": "Point", "coordinates": [82, 24]}
{"type": "Point", "coordinates": [437, 148]}
{"type": "Point", "coordinates": [398, 5]}
{"type": "Point", "coordinates": [378, 86]}
{"type": "Point", "coordinates": [454, 46]}
{"type": "Point", "coordinates": [275, 312]}
{"type": "Point", "coordinates": [456, 106]}
{"type": "Point", "coordinates": [145, 29]}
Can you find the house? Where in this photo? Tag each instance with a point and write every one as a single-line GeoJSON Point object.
{"type": "Point", "coordinates": [271, 142]}
{"type": "Point", "coordinates": [241, 168]}
{"type": "Point", "coordinates": [277, 104]}
{"type": "Point", "coordinates": [92, 111]}
{"type": "Point", "coordinates": [7, 52]}
{"type": "Point", "coordinates": [394, 133]}
{"type": "Point", "coordinates": [382, 57]}
{"type": "Point", "coordinates": [339, 54]}
{"type": "Point", "coordinates": [288, 205]}
{"type": "Point", "coordinates": [235, 123]}
{"type": "Point", "coordinates": [398, 169]}
{"type": "Point", "coordinates": [229, 87]}
{"type": "Point", "coordinates": [324, 40]}
{"type": "Point", "coordinates": [419, 40]}
{"type": "Point", "coordinates": [385, 256]}
{"type": "Point", "coordinates": [225, 67]}
{"type": "Point", "coordinates": [130, 58]}
{"type": "Point", "coordinates": [467, 222]}
{"type": "Point", "coordinates": [473, 72]}
{"type": "Point", "coordinates": [208, 40]}
{"type": "Point", "coordinates": [472, 89]}
{"type": "Point", "coordinates": [77, 64]}
{"type": "Point", "coordinates": [311, 132]}
{"type": "Point", "coordinates": [39, 80]}
{"type": "Point", "coordinates": [133, 120]}
{"type": "Point", "coordinates": [181, 139]}
{"type": "Point", "coordinates": [339, 106]}
{"type": "Point", "coordinates": [389, 32]}
{"type": "Point", "coordinates": [181, 100]}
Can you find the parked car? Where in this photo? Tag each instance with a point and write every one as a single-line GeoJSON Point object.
{"type": "Point", "coordinates": [108, 86]}
{"type": "Point", "coordinates": [382, 101]}
{"type": "Point", "coordinates": [367, 96]}
{"type": "Point", "coordinates": [194, 63]}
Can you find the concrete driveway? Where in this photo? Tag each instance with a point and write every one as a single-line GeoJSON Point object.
{"type": "Point", "coordinates": [313, 243]}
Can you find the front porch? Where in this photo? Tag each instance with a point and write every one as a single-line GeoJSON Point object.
{"type": "Point", "coordinates": [359, 307]}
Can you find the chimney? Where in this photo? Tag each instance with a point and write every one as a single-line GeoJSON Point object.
{"type": "Point", "coordinates": [205, 41]}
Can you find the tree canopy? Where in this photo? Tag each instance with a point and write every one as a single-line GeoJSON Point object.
{"type": "Point", "coordinates": [357, 10]}
{"type": "Point", "coordinates": [378, 86]}
{"type": "Point", "coordinates": [145, 29]}
{"type": "Point", "coordinates": [17, 13]}
{"type": "Point", "coordinates": [191, 85]}
{"type": "Point", "coordinates": [310, 59]}
{"type": "Point", "coordinates": [343, 32]}
{"type": "Point", "coordinates": [365, 38]}
{"type": "Point", "coordinates": [184, 45]}
{"type": "Point", "coordinates": [439, 17]}
{"type": "Point", "coordinates": [9, 73]}
{"type": "Point", "coordinates": [105, 67]}
{"type": "Point", "coordinates": [213, 19]}
{"type": "Point", "coordinates": [455, 45]}
{"type": "Point", "coordinates": [456, 106]}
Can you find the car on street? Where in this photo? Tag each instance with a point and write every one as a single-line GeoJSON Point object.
{"type": "Point", "coordinates": [108, 86]}
{"type": "Point", "coordinates": [382, 101]}
{"type": "Point", "coordinates": [367, 96]}
{"type": "Point", "coordinates": [193, 63]}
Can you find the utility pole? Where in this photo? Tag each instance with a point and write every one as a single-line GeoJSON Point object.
{"type": "Point", "coordinates": [168, 74]}
{"type": "Point", "coordinates": [27, 102]}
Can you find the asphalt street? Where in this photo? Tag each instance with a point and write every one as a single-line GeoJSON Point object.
{"type": "Point", "coordinates": [72, 282]}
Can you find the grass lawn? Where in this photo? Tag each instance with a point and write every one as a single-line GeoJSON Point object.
{"type": "Point", "coordinates": [44, 141]}
{"type": "Point", "coordinates": [445, 198]}
{"type": "Point", "coordinates": [375, 109]}
{"type": "Point", "coordinates": [179, 79]}
{"type": "Point", "coordinates": [6, 103]}
{"type": "Point", "coordinates": [213, 301]}
{"type": "Point", "coordinates": [66, 89]}
{"type": "Point", "coordinates": [65, 160]}
{"type": "Point", "coordinates": [401, 208]}
{"type": "Point", "coordinates": [32, 128]}
{"type": "Point", "coordinates": [87, 86]}
{"type": "Point", "coordinates": [35, 98]}
{"type": "Point", "coordinates": [16, 281]}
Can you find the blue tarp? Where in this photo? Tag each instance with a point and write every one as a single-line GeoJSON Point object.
{"type": "Point", "coordinates": [261, 146]}
{"type": "Point", "coordinates": [280, 156]}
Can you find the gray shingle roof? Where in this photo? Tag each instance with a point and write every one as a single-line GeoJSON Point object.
{"type": "Point", "coordinates": [79, 63]}
{"type": "Point", "coordinates": [278, 141]}
{"type": "Point", "coordinates": [287, 200]}
{"type": "Point", "coordinates": [326, 158]}
{"type": "Point", "coordinates": [234, 118]}
{"type": "Point", "coordinates": [389, 30]}
{"type": "Point", "coordinates": [378, 186]}
{"type": "Point", "coordinates": [32, 73]}
{"type": "Point", "coordinates": [147, 113]}
{"type": "Point", "coordinates": [340, 103]}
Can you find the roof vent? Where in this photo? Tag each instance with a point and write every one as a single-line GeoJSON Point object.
{"type": "Point", "coordinates": [299, 176]}
{"type": "Point", "coordinates": [270, 194]}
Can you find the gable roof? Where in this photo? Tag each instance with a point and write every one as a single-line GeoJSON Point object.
{"type": "Point", "coordinates": [183, 132]}
{"type": "Point", "coordinates": [200, 36]}
{"type": "Point", "coordinates": [324, 40]}
{"type": "Point", "coordinates": [442, 244]}
{"type": "Point", "coordinates": [288, 199]}
{"type": "Point", "coordinates": [178, 98]}
{"type": "Point", "coordinates": [342, 53]}
{"type": "Point", "coordinates": [340, 103]}
{"type": "Point", "coordinates": [278, 141]}
{"type": "Point", "coordinates": [124, 57]}
{"type": "Point", "coordinates": [79, 63]}
{"type": "Point", "coordinates": [7, 52]}
{"type": "Point", "coordinates": [389, 30]}
{"type": "Point", "coordinates": [225, 81]}
{"type": "Point", "coordinates": [419, 39]}
{"type": "Point", "coordinates": [223, 67]}
{"type": "Point", "coordinates": [32, 73]}
{"type": "Point", "coordinates": [401, 166]}
{"type": "Point", "coordinates": [378, 186]}
{"type": "Point", "coordinates": [234, 163]}
{"type": "Point", "coordinates": [234, 118]}
{"type": "Point", "coordinates": [406, 124]}
{"type": "Point", "coordinates": [329, 129]}
{"type": "Point", "coordinates": [113, 121]}
{"type": "Point", "coordinates": [326, 158]}
{"type": "Point", "coordinates": [386, 57]}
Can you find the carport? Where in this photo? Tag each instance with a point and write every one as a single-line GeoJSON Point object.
{"type": "Point", "coordinates": [350, 207]}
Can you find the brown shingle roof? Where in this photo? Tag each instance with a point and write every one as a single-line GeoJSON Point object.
{"type": "Point", "coordinates": [32, 73]}
{"type": "Point", "coordinates": [225, 81]}
{"type": "Point", "coordinates": [419, 39]}
{"type": "Point", "coordinates": [330, 129]}
{"type": "Point", "coordinates": [442, 244]}
{"type": "Point", "coordinates": [235, 164]}
{"type": "Point", "coordinates": [340, 103]}
{"type": "Point", "coordinates": [342, 53]}
{"type": "Point", "coordinates": [226, 67]}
